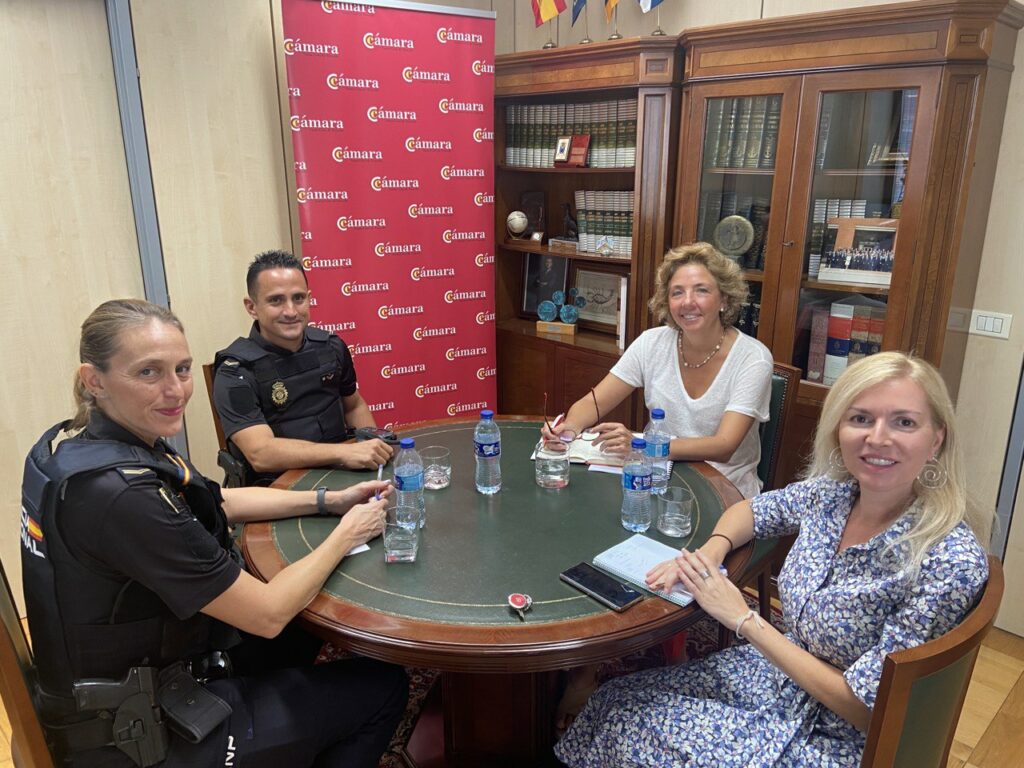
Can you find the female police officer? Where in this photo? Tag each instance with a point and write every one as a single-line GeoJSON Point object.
{"type": "Point", "coordinates": [128, 568]}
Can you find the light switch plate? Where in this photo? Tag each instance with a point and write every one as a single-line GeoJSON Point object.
{"type": "Point", "coordinates": [987, 323]}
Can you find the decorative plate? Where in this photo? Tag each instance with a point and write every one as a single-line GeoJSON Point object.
{"type": "Point", "coordinates": [546, 311]}
{"type": "Point", "coordinates": [733, 236]}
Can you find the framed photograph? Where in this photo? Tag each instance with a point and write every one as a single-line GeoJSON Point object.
{"type": "Point", "coordinates": [579, 148]}
{"type": "Point", "coordinates": [562, 149]}
{"type": "Point", "coordinates": [601, 286]}
{"type": "Point", "coordinates": [542, 276]}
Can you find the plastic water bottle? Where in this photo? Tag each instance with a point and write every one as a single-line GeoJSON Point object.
{"type": "Point", "coordinates": [487, 447]}
{"type": "Point", "coordinates": [636, 488]}
{"type": "Point", "coordinates": [658, 443]}
{"type": "Point", "coordinates": [409, 479]}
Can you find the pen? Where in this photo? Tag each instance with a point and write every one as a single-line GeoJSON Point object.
{"type": "Point", "coordinates": [380, 476]}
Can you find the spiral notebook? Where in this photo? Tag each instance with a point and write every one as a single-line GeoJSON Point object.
{"type": "Point", "coordinates": [634, 557]}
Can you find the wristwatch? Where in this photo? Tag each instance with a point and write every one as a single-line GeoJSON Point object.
{"type": "Point", "coordinates": [321, 502]}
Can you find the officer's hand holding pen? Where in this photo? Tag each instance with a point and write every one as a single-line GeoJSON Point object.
{"type": "Point", "coordinates": [340, 502]}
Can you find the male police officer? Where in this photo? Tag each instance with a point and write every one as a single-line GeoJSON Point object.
{"type": "Point", "coordinates": [286, 393]}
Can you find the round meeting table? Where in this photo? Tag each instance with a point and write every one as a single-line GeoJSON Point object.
{"type": "Point", "coordinates": [449, 609]}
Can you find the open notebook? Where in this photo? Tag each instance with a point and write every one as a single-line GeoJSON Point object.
{"type": "Point", "coordinates": [634, 557]}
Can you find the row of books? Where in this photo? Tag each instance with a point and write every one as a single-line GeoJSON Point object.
{"type": "Point", "coordinates": [865, 128]}
{"type": "Point", "coordinates": [532, 131]}
{"type": "Point", "coordinates": [715, 206]}
{"type": "Point", "coordinates": [605, 221]}
{"type": "Point", "coordinates": [842, 333]}
{"type": "Point", "coordinates": [742, 132]}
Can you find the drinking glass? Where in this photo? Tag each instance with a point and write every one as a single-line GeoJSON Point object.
{"type": "Point", "coordinates": [675, 508]}
{"type": "Point", "coordinates": [400, 543]}
{"type": "Point", "coordinates": [551, 465]}
{"type": "Point", "coordinates": [437, 467]}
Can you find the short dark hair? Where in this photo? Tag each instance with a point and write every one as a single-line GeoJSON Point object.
{"type": "Point", "coordinates": [270, 260]}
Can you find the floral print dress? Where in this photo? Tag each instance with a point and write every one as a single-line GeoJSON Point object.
{"type": "Point", "coordinates": [849, 608]}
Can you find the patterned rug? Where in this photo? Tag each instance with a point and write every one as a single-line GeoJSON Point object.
{"type": "Point", "coordinates": [701, 639]}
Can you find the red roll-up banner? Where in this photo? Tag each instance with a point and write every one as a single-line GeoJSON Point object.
{"type": "Point", "coordinates": [392, 125]}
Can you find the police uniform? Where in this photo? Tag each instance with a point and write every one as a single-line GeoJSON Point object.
{"type": "Point", "coordinates": [297, 394]}
{"type": "Point", "coordinates": [118, 560]}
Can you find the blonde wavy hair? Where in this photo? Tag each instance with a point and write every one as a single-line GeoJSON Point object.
{"type": "Point", "coordinates": [101, 338]}
{"type": "Point", "coordinates": [726, 272]}
{"type": "Point", "coordinates": [941, 509]}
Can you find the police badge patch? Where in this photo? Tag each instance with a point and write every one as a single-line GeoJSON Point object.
{"type": "Point", "coordinates": [279, 393]}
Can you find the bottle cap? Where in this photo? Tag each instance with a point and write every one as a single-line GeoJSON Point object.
{"type": "Point", "coordinates": [657, 413]}
{"type": "Point", "coordinates": [639, 443]}
{"type": "Point", "coordinates": [408, 442]}
{"type": "Point", "coordinates": [486, 414]}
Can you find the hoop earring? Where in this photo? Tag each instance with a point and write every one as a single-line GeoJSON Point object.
{"type": "Point", "coordinates": [835, 462]}
{"type": "Point", "coordinates": [933, 476]}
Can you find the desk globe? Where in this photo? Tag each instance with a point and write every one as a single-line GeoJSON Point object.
{"type": "Point", "coordinates": [516, 223]}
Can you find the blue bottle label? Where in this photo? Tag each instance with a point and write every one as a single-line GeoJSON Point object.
{"type": "Point", "coordinates": [636, 482]}
{"type": "Point", "coordinates": [657, 450]}
{"type": "Point", "coordinates": [487, 450]}
{"type": "Point", "coordinates": [409, 482]}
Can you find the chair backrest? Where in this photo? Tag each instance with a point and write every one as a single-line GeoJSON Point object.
{"type": "Point", "coordinates": [28, 744]}
{"type": "Point", "coordinates": [785, 380]}
{"type": "Point", "coordinates": [922, 690]}
{"type": "Point", "coordinates": [208, 376]}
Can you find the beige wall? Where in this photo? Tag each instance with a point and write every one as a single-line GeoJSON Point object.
{"type": "Point", "coordinates": [992, 367]}
{"type": "Point", "coordinates": [209, 91]}
{"type": "Point", "coordinates": [67, 235]}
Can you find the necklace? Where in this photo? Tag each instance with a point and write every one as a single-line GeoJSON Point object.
{"type": "Point", "coordinates": [703, 362]}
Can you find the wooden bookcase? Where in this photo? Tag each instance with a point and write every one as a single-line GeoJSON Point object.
{"type": "Point", "coordinates": [644, 72]}
{"type": "Point", "coordinates": [879, 108]}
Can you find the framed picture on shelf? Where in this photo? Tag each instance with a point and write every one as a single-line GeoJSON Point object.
{"type": "Point", "coordinates": [542, 276]}
{"type": "Point", "coordinates": [579, 147]}
{"type": "Point", "coordinates": [562, 149]}
{"type": "Point", "coordinates": [601, 288]}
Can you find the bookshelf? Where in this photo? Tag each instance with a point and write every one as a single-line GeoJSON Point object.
{"type": "Point", "coordinates": [624, 95]}
{"type": "Point", "coordinates": [874, 116]}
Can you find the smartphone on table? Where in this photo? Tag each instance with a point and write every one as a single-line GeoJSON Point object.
{"type": "Point", "coordinates": [600, 586]}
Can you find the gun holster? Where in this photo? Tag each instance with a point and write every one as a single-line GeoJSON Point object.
{"type": "Point", "coordinates": [134, 714]}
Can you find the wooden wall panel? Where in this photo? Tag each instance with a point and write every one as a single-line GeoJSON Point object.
{"type": "Point", "coordinates": [209, 90]}
{"type": "Point", "coordinates": [66, 229]}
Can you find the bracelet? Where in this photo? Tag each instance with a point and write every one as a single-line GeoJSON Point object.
{"type": "Point", "coordinates": [321, 502]}
{"type": "Point", "coordinates": [743, 619]}
{"type": "Point", "coordinates": [723, 536]}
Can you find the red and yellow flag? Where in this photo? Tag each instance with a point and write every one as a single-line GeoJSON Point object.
{"type": "Point", "coordinates": [609, 6]}
{"type": "Point", "coordinates": [545, 10]}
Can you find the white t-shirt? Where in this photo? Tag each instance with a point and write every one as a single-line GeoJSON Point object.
{"type": "Point", "coordinates": [743, 385]}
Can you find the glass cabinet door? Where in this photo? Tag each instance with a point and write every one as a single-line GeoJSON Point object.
{"type": "Point", "coordinates": [737, 178]}
{"type": "Point", "coordinates": [862, 154]}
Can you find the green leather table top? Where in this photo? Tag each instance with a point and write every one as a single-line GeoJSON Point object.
{"type": "Point", "coordinates": [476, 549]}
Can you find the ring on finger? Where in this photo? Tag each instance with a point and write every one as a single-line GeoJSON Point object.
{"type": "Point", "coordinates": [705, 575]}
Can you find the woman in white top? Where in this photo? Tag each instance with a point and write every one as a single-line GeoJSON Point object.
{"type": "Point", "coordinates": [712, 381]}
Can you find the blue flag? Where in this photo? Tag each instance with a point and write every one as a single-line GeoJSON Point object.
{"type": "Point", "coordinates": [647, 5]}
{"type": "Point", "coordinates": [577, 8]}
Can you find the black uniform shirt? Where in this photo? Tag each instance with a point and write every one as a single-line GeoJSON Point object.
{"type": "Point", "coordinates": [237, 413]}
{"type": "Point", "coordinates": [127, 528]}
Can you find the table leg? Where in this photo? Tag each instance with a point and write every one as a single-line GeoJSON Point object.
{"type": "Point", "coordinates": [501, 720]}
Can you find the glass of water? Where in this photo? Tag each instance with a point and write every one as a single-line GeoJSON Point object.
{"type": "Point", "coordinates": [400, 543]}
{"type": "Point", "coordinates": [675, 511]}
{"type": "Point", "coordinates": [552, 464]}
{"type": "Point", "coordinates": [437, 467]}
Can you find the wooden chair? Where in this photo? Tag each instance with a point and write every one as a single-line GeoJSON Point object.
{"type": "Point", "coordinates": [922, 690]}
{"type": "Point", "coordinates": [785, 380]}
{"type": "Point", "coordinates": [208, 376]}
{"type": "Point", "coordinates": [17, 673]}
{"type": "Point", "coordinates": [236, 471]}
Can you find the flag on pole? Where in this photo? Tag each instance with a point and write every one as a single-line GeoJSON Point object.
{"type": "Point", "coordinates": [648, 5]}
{"type": "Point", "coordinates": [545, 10]}
{"type": "Point", "coordinates": [609, 6]}
{"type": "Point", "coordinates": [577, 8]}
